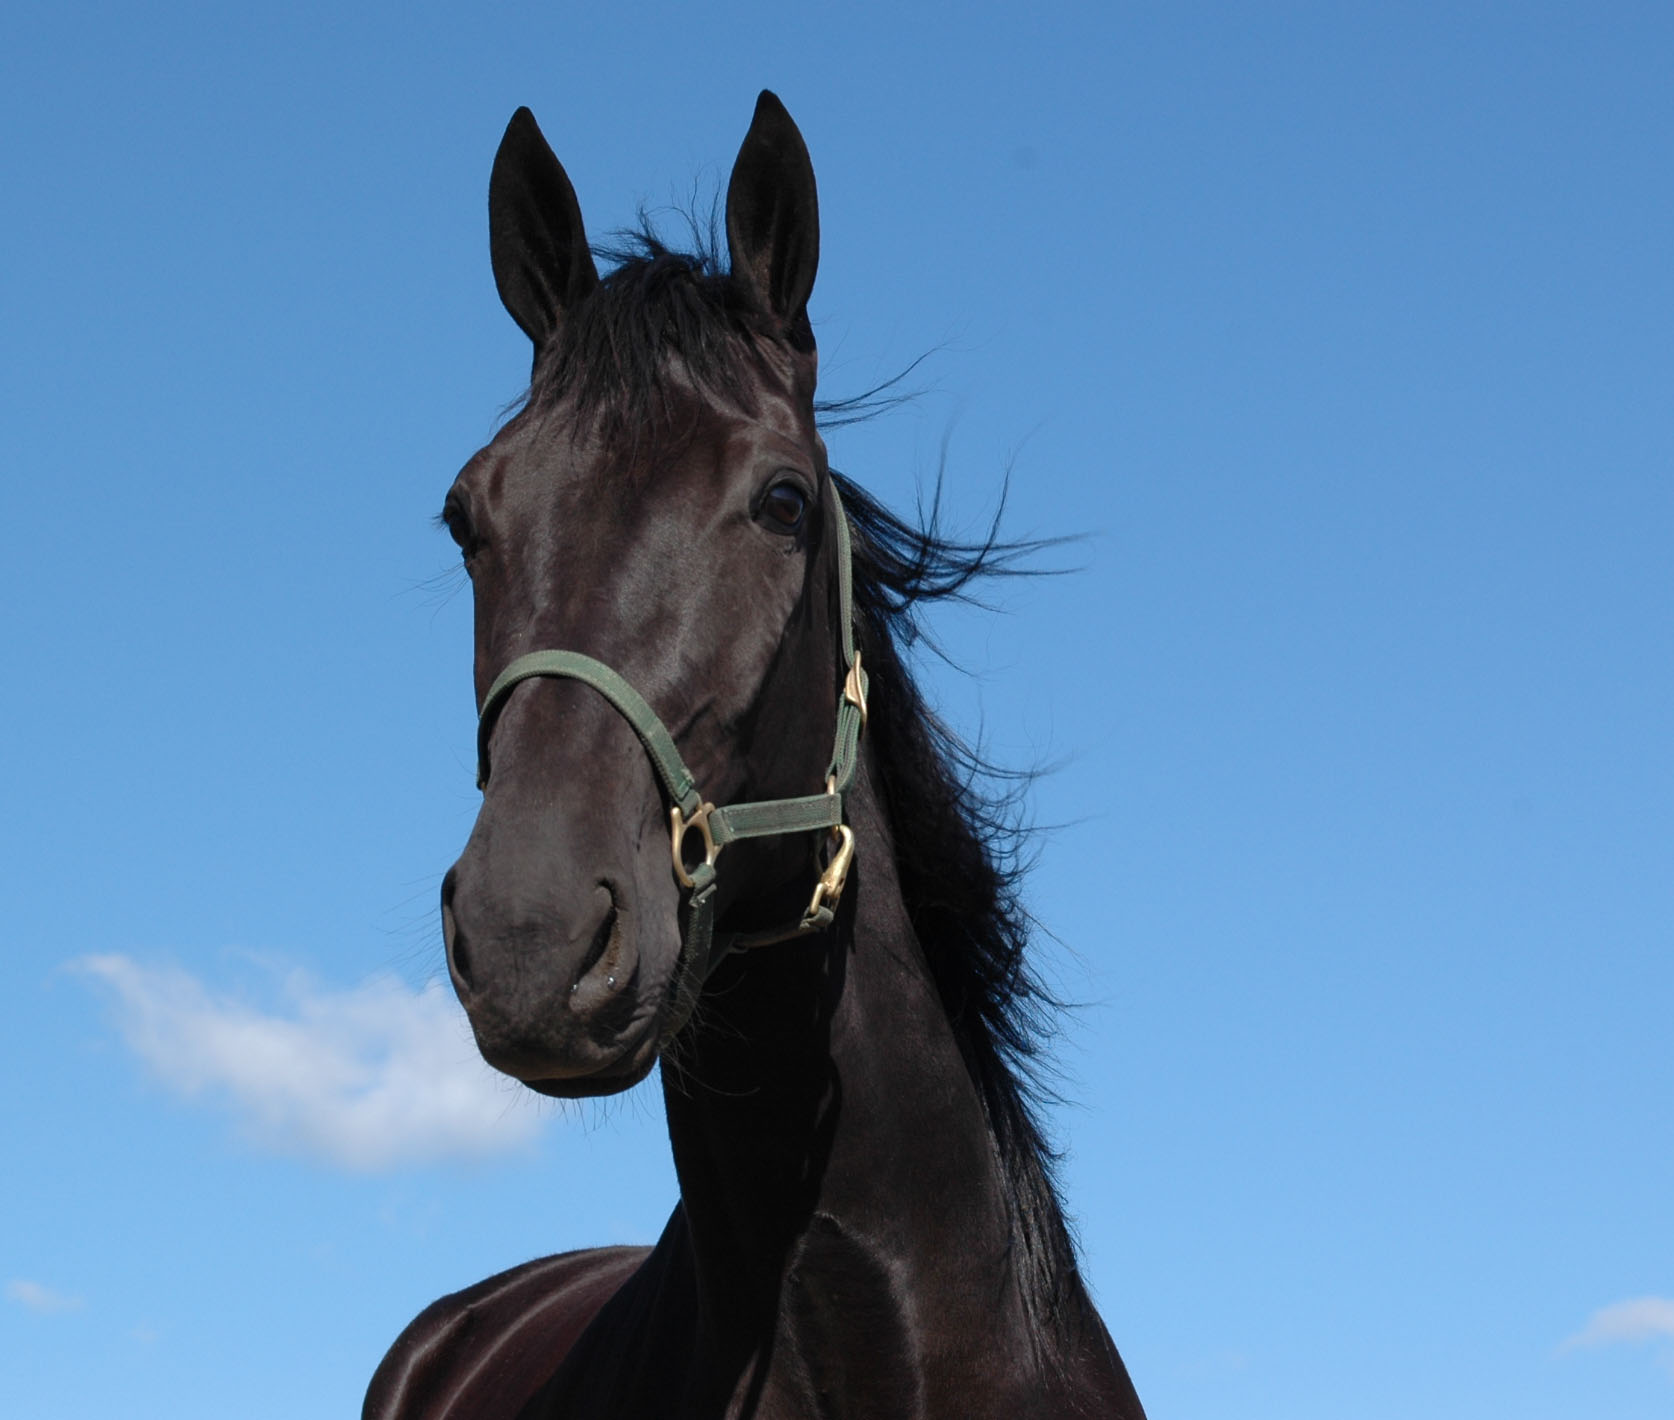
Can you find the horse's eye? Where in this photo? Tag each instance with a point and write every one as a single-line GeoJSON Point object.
{"type": "Point", "coordinates": [784, 507]}
{"type": "Point", "coordinates": [459, 529]}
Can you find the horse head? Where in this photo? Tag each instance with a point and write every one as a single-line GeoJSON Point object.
{"type": "Point", "coordinates": [661, 506]}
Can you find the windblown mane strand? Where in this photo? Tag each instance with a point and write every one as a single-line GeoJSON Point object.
{"type": "Point", "coordinates": [959, 855]}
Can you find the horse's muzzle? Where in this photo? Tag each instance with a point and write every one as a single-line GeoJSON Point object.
{"type": "Point", "coordinates": [556, 996]}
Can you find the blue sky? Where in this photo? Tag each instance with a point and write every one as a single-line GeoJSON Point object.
{"type": "Point", "coordinates": [1344, 335]}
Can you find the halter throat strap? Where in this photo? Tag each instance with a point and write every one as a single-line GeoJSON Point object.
{"type": "Point", "coordinates": [690, 812]}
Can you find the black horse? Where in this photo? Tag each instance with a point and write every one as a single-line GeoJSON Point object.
{"type": "Point", "coordinates": [830, 965]}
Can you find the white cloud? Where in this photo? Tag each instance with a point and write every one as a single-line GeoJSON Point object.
{"type": "Point", "coordinates": [367, 1078]}
{"type": "Point", "coordinates": [1641, 1319]}
{"type": "Point", "coordinates": [38, 1298]}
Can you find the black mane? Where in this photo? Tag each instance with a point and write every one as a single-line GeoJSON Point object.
{"type": "Point", "coordinates": [958, 848]}
{"type": "Point", "coordinates": [952, 815]}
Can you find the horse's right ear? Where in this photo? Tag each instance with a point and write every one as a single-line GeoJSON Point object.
{"type": "Point", "coordinates": [773, 219]}
{"type": "Point", "coordinates": [539, 249]}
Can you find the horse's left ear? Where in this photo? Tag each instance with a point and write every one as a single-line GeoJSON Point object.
{"type": "Point", "coordinates": [539, 248]}
{"type": "Point", "coordinates": [773, 219]}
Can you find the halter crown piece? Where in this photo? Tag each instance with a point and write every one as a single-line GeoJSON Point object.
{"type": "Point", "coordinates": [701, 950]}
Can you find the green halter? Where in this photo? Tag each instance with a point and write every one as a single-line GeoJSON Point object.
{"type": "Point", "coordinates": [701, 950]}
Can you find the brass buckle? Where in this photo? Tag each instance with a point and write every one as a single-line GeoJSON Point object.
{"type": "Point", "coordinates": [854, 691]}
{"type": "Point", "coordinates": [828, 891]}
{"type": "Point", "coordinates": [681, 826]}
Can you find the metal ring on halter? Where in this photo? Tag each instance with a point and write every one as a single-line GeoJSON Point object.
{"type": "Point", "coordinates": [680, 826]}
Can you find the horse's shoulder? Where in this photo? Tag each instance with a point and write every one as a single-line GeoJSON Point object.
{"type": "Point", "coordinates": [484, 1350]}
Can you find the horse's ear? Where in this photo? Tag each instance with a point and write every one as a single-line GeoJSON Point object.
{"type": "Point", "coordinates": [535, 237]}
{"type": "Point", "coordinates": [773, 218]}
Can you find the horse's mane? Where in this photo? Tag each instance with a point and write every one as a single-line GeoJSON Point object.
{"type": "Point", "coordinates": [609, 359]}
{"type": "Point", "coordinates": [959, 850]}
{"type": "Point", "coordinates": [953, 815]}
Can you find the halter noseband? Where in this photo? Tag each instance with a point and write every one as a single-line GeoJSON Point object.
{"type": "Point", "coordinates": [690, 812]}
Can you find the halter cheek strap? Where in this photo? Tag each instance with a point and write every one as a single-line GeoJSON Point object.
{"type": "Point", "coordinates": [690, 812]}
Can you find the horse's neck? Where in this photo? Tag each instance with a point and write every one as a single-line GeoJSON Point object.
{"type": "Point", "coordinates": [838, 1178]}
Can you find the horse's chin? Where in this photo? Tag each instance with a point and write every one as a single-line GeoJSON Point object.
{"type": "Point", "coordinates": [621, 1074]}
{"type": "Point", "coordinates": [568, 1063]}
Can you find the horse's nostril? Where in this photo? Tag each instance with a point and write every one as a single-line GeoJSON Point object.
{"type": "Point", "coordinates": [459, 958]}
{"type": "Point", "coordinates": [602, 992]}
{"type": "Point", "coordinates": [603, 936]}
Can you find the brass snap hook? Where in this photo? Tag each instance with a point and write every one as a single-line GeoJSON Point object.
{"type": "Point", "coordinates": [828, 891]}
